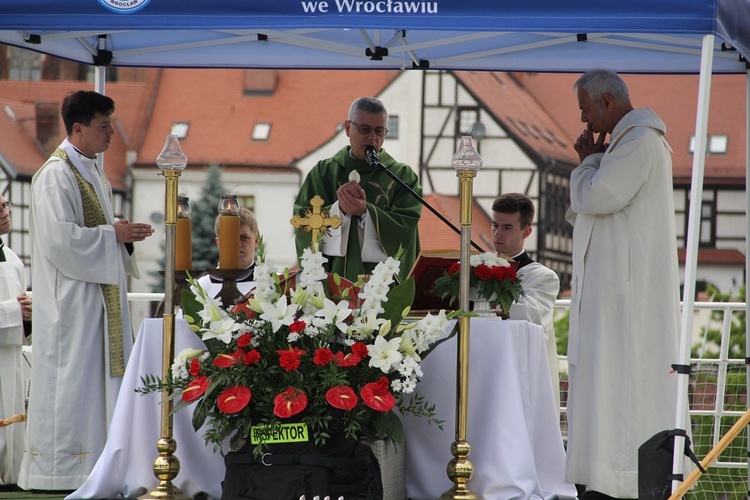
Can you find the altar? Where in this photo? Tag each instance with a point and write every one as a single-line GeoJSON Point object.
{"type": "Point", "coordinates": [517, 448]}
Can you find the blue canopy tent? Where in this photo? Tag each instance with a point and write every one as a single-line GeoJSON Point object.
{"type": "Point", "coordinates": [638, 36]}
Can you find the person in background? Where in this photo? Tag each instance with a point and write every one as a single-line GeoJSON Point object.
{"type": "Point", "coordinates": [15, 308]}
{"type": "Point", "coordinates": [512, 216]}
{"type": "Point", "coordinates": [80, 260]}
{"type": "Point", "coordinates": [624, 311]}
{"type": "Point", "coordinates": [379, 216]}
{"type": "Point", "coordinates": [248, 245]}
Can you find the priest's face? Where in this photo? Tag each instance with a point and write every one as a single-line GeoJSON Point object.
{"type": "Point", "coordinates": [366, 129]}
{"type": "Point", "coordinates": [596, 112]}
{"type": "Point", "coordinates": [4, 216]}
{"type": "Point", "coordinates": [95, 137]}
{"type": "Point", "coordinates": [507, 233]}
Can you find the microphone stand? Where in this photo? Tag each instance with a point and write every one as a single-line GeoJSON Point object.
{"type": "Point", "coordinates": [372, 159]}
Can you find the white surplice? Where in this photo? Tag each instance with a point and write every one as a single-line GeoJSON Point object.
{"type": "Point", "coordinates": [72, 393]}
{"type": "Point", "coordinates": [541, 286]}
{"type": "Point", "coordinates": [624, 312]}
{"type": "Point", "coordinates": [12, 284]}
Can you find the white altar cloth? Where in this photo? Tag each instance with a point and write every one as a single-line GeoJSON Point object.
{"type": "Point", "coordinates": [125, 467]}
{"type": "Point", "coordinates": [516, 446]}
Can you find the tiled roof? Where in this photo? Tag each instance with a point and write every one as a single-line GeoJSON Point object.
{"type": "Point", "coordinates": [674, 99]}
{"type": "Point", "coordinates": [434, 234]}
{"type": "Point", "coordinates": [726, 257]}
{"type": "Point", "coordinates": [303, 111]}
{"type": "Point", "coordinates": [520, 113]}
{"type": "Point", "coordinates": [19, 144]}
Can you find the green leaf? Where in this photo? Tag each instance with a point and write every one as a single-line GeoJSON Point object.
{"type": "Point", "coordinates": [400, 297]}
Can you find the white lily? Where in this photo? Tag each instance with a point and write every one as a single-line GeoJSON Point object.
{"type": "Point", "coordinates": [335, 313]}
{"type": "Point", "coordinates": [221, 329]}
{"type": "Point", "coordinates": [384, 353]}
{"type": "Point", "coordinates": [279, 314]}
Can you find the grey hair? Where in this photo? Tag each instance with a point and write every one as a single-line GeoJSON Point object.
{"type": "Point", "coordinates": [368, 105]}
{"type": "Point", "coordinates": [603, 81]}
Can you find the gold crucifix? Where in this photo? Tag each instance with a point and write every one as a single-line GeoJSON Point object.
{"type": "Point", "coordinates": [316, 220]}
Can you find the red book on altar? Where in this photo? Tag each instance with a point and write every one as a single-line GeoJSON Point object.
{"type": "Point", "coordinates": [429, 266]}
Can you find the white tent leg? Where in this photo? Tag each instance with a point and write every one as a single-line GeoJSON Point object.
{"type": "Point", "coordinates": [747, 256]}
{"type": "Point", "coordinates": [100, 77]}
{"type": "Point", "coordinates": [691, 254]}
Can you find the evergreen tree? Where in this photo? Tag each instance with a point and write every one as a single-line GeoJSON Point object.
{"type": "Point", "coordinates": [204, 212]}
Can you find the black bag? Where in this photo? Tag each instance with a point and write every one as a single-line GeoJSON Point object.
{"type": "Point", "coordinates": [287, 471]}
{"type": "Point", "coordinates": [655, 464]}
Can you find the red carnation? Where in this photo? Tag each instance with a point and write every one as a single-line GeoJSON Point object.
{"type": "Point", "coordinates": [290, 402]}
{"type": "Point", "coordinates": [359, 349]}
{"type": "Point", "coordinates": [252, 357]}
{"type": "Point", "coordinates": [297, 326]}
{"type": "Point", "coordinates": [323, 356]}
{"type": "Point", "coordinates": [454, 269]}
{"type": "Point", "coordinates": [289, 358]}
{"type": "Point", "coordinates": [483, 272]}
{"type": "Point", "coordinates": [233, 399]}
{"type": "Point", "coordinates": [195, 389]}
{"type": "Point", "coordinates": [377, 396]}
{"type": "Point", "coordinates": [244, 340]}
{"type": "Point", "coordinates": [342, 397]}
{"type": "Point", "coordinates": [195, 367]}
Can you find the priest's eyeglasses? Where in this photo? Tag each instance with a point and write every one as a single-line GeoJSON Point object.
{"type": "Point", "coordinates": [366, 129]}
{"type": "Point", "coordinates": [6, 206]}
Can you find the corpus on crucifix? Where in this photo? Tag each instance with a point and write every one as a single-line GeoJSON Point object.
{"type": "Point", "coordinates": [316, 221]}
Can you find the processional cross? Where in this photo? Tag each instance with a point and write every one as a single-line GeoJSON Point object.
{"type": "Point", "coordinates": [316, 220]}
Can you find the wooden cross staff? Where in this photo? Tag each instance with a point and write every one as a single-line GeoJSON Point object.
{"type": "Point", "coordinates": [316, 220]}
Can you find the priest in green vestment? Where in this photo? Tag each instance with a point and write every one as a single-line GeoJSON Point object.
{"type": "Point", "coordinates": [379, 215]}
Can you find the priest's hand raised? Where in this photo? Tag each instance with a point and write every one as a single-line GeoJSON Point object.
{"type": "Point", "coordinates": [129, 232]}
{"type": "Point", "coordinates": [352, 199]}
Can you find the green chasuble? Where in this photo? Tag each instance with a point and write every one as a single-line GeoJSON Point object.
{"type": "Point", "coordinates": [392, 210]}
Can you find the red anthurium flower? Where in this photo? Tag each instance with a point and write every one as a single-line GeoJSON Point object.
{"type": "Point", "coordinates": [195, 389]}
{"type": "Point", "coordinates": [297, 326]}
{"type": "Point", "coordinates": [342, 397]}
{"type": "Point", "coordinates": [233, 399]}
{"type": "Point", "coordinates": [455, 268]}
{"type": "Point", "coordinates": [483, 272]}
{"type": "Point", "coordinates": [244, 340]}
{"type": "Point", "coordinates": [195, 367]}
{"type": "Point", "coordinates": [252, 357]}
{"type": "Point", "coordinates": [377, 396]}
{"type": "Point", "coordinates": [346, 360]}
{"type": "Point", "coordinates": [323, 356]}
{"type": "Point", "coordinates": [290, 402]}
{"type": "Point", "coordinates": [289, 358]}
{"type": "Point", "coordinates": [359, 349]}
{"type": "Point", "coordinates": [224, 360]}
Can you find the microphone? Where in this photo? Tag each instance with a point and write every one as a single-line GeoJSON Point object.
{"type": "Point", "coordinates": [372, 157]}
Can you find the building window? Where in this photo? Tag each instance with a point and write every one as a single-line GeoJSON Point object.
{"type": "Point", "coordinates": [707, 237]}
{"type": "Point", "coordinates": [24, 64]}
{"type": "Point", "coordinates": [247, 202]}
{"type": "Point", "coordinates": [180, 129]}
{"type": "Point", "coordinates": [261, 131]}
{"type": "Point", "coordinates": [392, 127]}
{"type": "Point", "coordinates": [467, 117]}
{"type": "Point", "coordinates": [717, 144]}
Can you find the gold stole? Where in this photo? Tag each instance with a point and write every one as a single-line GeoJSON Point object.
{"type": "Point", "coordinates": [93, 216]}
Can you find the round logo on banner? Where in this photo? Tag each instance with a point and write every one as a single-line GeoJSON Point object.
{"type": "Point", "coordinates": [124, 6]}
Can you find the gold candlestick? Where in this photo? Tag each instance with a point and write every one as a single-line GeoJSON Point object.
{"type": "Point", "coordinates": [171, 161]}
{"type": "Point", "coordinates": [466, 161]}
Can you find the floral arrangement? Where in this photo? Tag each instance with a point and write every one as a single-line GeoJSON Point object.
{"type": "Point", "coordinates": [299, 349]}
{"type": "Point", "coordinates": [492, 278]}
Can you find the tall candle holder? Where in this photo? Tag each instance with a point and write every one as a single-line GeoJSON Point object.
{"type": "Point", "coordinates": [166, 467]}
{"type": "Point", "coordinates": [466, 162]}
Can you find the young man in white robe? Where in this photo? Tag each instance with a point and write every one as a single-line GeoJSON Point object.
{"type": "Point", "coordinates": [15, 308]}
{"type": "Point", "coordinates": [624, 312]}
{"type": "Point", "coordinates": [80, 258]}
{"type": "Point", "coordinates": [512, 216]}
{"type": "Point", "coordinates": [248, 244]}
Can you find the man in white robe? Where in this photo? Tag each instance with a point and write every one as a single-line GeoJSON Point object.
{"type": "Point", "coordinates": [248, 244]}
{"type": "Point", "coordinates": [624, 313]}
{"type": "Point", "coordinates": [82, 330]}
{"type": "Point", "coordinates": [512, 216]}
{"type": "Point", "coordinates": [15, 308]}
